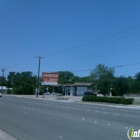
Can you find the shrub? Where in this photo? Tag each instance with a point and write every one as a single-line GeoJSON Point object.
{"type": "Point", "coordinates": [118, 100]}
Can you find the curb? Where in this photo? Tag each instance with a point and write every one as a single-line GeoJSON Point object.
{"type": "Point", "coordinates": [5, 136]}
{"type": "Point", "coordinates": [112, 105]}
{"type": "Point", "coordinates": [80, 102]}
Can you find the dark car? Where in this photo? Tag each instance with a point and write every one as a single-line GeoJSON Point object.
{"type": "Point", "coordinates": [89, 93]}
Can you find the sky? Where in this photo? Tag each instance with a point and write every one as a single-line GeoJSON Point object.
{"type": "Point", "coordinates": [70, 35]}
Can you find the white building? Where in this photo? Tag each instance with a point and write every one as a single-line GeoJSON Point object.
{"type": "Point", "coordinates": [4, 89]}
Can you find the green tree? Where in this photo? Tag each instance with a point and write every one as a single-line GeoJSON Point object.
{"type": "Point", "coordinates": [3, 81]}
{"type": "Point", "coordinates": [22, 83]}
{"type": "Point", "coordinates": [103, 77]}
{"type": "Point", "coordinates": [137, 76]}
{"type": "Point", "coordinates": [87, 79]}
{"type": "Point", "coordinates": [137, 80]}
{"type": "Point", "coordinates": [65, 77]}
{"type": "Point", "coordinates": [121, 85]}
{"type": "Point", "coordinates": [132, 85]}
{"type": "Point", "coordinates": [11, 78]}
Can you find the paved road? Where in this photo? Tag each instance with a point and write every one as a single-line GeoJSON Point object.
{"type": "Point", "coordinates": [32, 119]}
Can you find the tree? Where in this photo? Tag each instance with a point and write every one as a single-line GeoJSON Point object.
{"type": "Point", "coordinates": [87, 79]}
{"type": "Point", "coordinates": [121, 85]}
{"type": "Point", "coordinates": [132, 85]}
{"type": "Point", "coordinates": [68, 77]}
{"type": "Point", "coordinates": [3, 81]}
{"type": "Point", "coordinates": [137, 79]}
{"type": "Point", "coordinates": [137, 76]}
{"type": "Point", "coordinates": [22, 83]}
{"type": "Point", "coordinates": [65, 77]}
{"type": "Point", "coordinates": [11, 79]}
{"type": "Point", "coordinates": [103, 77]}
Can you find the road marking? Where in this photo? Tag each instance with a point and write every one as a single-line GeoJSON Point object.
{"type": "Point", "coordinates": [117, 114]}
{"type": "Point", "coordinates": [105, 113]}
{"type": "Point", "coordinates": [25, 113]}
{"type": "Point", "coordinates": [83, 119]}
{"type": "Point", "coordinates": [95, 121]}
{"type": "Point", "coordinates": [61, 137]}
{"type": "Point", "coordinates": [126, 127]}
{"type": "Point", "coordinates": [109, 124]}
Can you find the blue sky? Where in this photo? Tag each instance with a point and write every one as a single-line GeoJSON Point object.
{"type": "Point", "coordinates": [70, 35]}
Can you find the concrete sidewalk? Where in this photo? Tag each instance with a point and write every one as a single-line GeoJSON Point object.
{"type": "Point", "coordinates": [52, 98]}
{"type": "Point", "coordinates": [76, 99]}
{"type": "Point", "coordinates": [5, 136]}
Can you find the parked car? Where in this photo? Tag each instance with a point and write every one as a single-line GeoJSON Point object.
{"type": "Point", "coordinates": [89, 93]}
{"type": "Point", "coordinates": [0, 94]}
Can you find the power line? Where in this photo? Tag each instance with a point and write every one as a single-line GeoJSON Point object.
{"type": "Point", "coordinates": [118, 66]}
{"type": "Point", "coordinates": [96, 56]}
{"type": "Point", "coordinates": [88, 47]}
{"type": "Point", "coordinates": [97, 40]}
{"type": "Point", "coordinates": [21, 63]}
{"type": "Point", "coordinates": [85, 44]}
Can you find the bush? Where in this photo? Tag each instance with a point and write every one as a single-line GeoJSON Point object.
{"type": "Point", "coordinates": [118, 100]}
{"type": "Point", "coordinates": [9, 91]}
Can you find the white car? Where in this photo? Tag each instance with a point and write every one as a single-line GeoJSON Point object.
{"type": "Point", "coordinates": [0, 94]}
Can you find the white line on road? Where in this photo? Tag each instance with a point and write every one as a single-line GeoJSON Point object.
{"type": "Point", "coordinates": [61, 137]}
{"type": "Point", "coordinates": [25, 113]}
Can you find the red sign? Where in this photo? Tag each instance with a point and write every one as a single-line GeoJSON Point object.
{"type": "Point", "coordinates": [50, 77]}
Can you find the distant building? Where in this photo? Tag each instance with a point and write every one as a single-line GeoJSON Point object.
{"type": "Point", "coordinates": [4, 89]}
{"type": "Point", "coordinates": [77, 88]}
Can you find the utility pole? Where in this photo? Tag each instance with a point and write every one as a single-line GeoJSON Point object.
{"type": "Point", "coordinates": [3, 70]}
{"type": "Point", "coordinates": [39, 58]}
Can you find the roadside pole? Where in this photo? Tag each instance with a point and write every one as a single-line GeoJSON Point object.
{"type": "Point", "coordinates": [39, 58]}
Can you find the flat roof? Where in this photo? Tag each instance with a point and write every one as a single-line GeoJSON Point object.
{"type": "Point", "coordinates": [67, 85]}
{"type": "Point", "coordinates": [82, 84]}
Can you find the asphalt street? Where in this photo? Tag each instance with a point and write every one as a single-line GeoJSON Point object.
{"type": "Point", "coordinates": [33, 119]}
